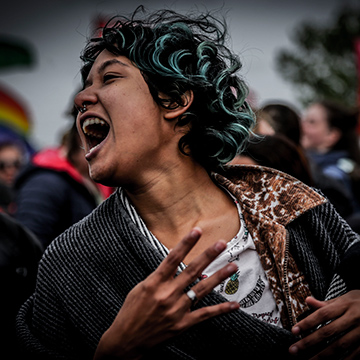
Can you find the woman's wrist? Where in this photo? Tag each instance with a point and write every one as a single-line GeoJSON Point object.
{"type": "Point", "coordinates": [110, 347]}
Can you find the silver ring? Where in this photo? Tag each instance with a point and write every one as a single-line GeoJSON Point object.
{"type": "Point", "coordinates": [192, 296]}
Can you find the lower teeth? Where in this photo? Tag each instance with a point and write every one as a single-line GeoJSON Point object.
{"type": "Point", "coordinates": [93, 148]}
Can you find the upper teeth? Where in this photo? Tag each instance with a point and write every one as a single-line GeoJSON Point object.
{"type": "Point", "coordinates": [92, 121]}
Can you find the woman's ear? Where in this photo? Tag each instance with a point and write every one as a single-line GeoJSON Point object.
{"type": "Point", "coordinates": [172, 112]}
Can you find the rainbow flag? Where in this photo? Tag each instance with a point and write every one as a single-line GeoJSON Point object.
{"type": "Point", "coordinates": [15, 124]}
{"type": "Point", "coordinates": [13, 114]}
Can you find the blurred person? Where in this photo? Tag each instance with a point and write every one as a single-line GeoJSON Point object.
{"type": "Point", "coordinates": [55, 190]}
{"type": "Point", "coordinates": [278, 152]}
{"type": "Point", "coordinates": [20, 253]}
{"type": "Point", "coordinates": [285, 119]}
{"type": "Point", "coordinates": [277, 118]}
{"type": "Point", "coordinates": [12, 159]}
{"type": "Point", "coordinates": [329, 136]}
{"type": "Point", "coordinates": [124, 282]}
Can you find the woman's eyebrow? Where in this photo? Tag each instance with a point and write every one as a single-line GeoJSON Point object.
{"type": "Point", "coordinates": [107, 63]}
{"type": "Point", "coordinates": [103, 66]}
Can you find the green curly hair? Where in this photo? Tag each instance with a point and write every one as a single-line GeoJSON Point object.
{"type": "Point", "coordinates": [176, 54]}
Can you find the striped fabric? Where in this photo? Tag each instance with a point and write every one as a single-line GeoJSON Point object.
{"type": "Point", "coordinates": [138, 221]}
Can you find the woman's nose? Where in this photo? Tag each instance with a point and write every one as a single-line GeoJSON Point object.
{"type": "Point", "coordinates": [86, 96]}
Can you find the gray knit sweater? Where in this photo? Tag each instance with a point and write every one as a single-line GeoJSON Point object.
{"type": "Point", "coordinates": [87, 272]}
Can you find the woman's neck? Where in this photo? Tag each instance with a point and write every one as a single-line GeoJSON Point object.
{"type": "Point", "coordinates": [170, 195]}
{"type": "Point", "coordinates": [172, 204]}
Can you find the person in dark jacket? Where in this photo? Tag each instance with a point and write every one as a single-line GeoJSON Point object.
{"type": "Point", "coordinates": [20, 253]}
{"type": "Point", "coordinates": [146, 274]}
{"type": "Point", "coordinates": [329, 136]}
{"type": "Point", "coordinates": [54, 190]}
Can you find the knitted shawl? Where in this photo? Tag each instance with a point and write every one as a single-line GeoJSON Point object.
{"type": "Point", "coordinates": [87, 272]}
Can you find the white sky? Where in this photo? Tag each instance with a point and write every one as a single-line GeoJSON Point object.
{"type": "Point", "coordinates": [57, 30]}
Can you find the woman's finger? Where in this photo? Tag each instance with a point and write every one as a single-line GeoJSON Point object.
{"type": "Point", "coordinates": [194, 270]}
{"type": "Point", "coordinates": [167, 269]}
{"type": "Point", "coordinates": [205, 286]}
{"type": "Point", "coordinates": [319, 336]}
{"type": "Point", "coordinates": [325, 312]}
{"type": "Point", "coordinates": [205, 313]}
{"type": "Point", "coordinates": [346, 347]}
{"type": "Point", "coordinates": [340, 326]}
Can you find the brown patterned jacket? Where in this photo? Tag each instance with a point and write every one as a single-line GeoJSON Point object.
{"type": "Point", "coordinates": [270, 200]}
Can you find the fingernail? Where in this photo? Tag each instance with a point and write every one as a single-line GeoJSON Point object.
{"type": "Point", "coordinates": [293, 350]}
{"type": "Point", "coordinates": [195, 232]}
{"type": "Point", "coordinates": [220, 246]}
{"type": "Point", "coordinates": [232, 267]}
{"type": "Point", "coordinates": [296, 330]}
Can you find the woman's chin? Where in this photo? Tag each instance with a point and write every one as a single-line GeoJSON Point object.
{"type": "Point", "coordinates": [103, 177]}
{"type": "Point", "coordinates": [97, 175]}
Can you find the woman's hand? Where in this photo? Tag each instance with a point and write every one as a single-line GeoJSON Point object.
{"type": "Point", "coordinates": [158, 308]}
{"type": "Point", "coordinates": [340, 318]}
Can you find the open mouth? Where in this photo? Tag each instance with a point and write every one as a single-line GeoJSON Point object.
{"type": "Point", "coordinates": [95, 130]}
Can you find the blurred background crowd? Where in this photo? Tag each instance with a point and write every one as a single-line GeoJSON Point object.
{"type": "Point", "coordinates": [304, 82]}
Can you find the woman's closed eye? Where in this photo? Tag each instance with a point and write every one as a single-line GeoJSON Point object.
{"type": "Point", "coordinates": [109, 77]}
